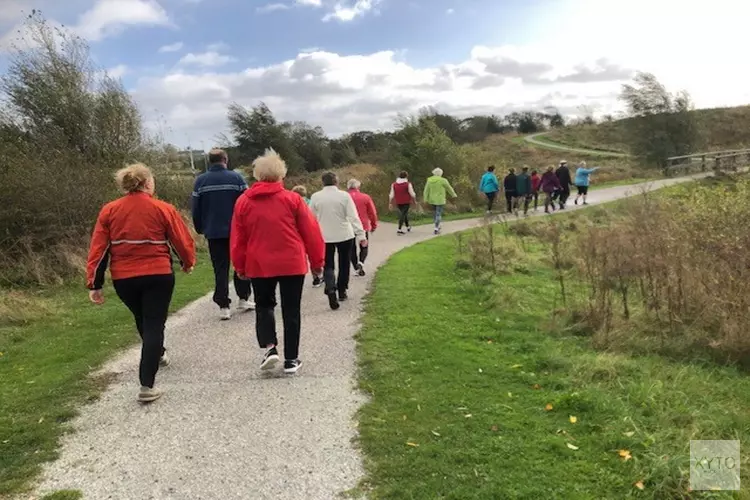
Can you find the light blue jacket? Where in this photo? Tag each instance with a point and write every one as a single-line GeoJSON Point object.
{"type": "Point", "coordinates": [489, 183]}
{"type": "Point", "coordinates": [582, 175]}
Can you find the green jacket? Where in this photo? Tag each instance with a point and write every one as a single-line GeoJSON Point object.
{"type": "Point", "coordinates": [436, 189]}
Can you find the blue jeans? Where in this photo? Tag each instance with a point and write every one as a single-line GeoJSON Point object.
{"type": "Point", "coordinates": [438, 214]}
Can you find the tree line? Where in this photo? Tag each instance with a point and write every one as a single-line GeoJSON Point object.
{"type": "Point", "coordinates": [307, 148]}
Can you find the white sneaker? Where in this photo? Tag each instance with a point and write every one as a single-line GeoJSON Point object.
{"type": "Point", "coordinates": [148, 394]}
{"type": "Point", "coordinates": [245, 305]}
{"type": "Point", "coordinates": [164, 361]}
{"type": "Point", "coordinates": [225, 314]}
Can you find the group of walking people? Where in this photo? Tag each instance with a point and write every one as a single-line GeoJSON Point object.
{"type": "Point", "coordinates": [523, 188]}
{"type": "Point", "coordinates": [271, 236]}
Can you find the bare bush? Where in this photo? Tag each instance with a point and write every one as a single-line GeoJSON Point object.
{"type": "Point", "coordinates": [673, 274]}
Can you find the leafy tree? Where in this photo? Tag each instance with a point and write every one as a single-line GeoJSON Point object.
{"type": "Point", "coordinates": [661, 124]}
{"type": "Point", "coordinates": [257, 129]}
{"type": "Point", "coordinates": [311, 144]}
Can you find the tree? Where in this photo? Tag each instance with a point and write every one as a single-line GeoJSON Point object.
{"type": "Point", "coordinates": [662, 124]}
{"type": "Point", "coordinates": [257, 129]}
{"type": "Point", "coordinates": [311, 145]}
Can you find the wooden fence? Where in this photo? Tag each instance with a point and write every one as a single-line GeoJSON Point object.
{"type": "Point", "coordinates": [718, 161]}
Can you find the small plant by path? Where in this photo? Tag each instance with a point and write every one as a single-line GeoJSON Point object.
{"type": "Point", "coordinates": [472, 396]}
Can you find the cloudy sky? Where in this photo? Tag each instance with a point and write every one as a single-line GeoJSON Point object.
{"type": "Point", "coordinates": [357, 64]}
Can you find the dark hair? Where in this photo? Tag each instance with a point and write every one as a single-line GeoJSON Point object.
{"type": "Point", "coordinates": [403, 175]}
{"type": "Point", "coordinates": [525, 169]}
{"type": "Point", "coordinates": [512, 171]}
{"type": "Point", "coordinates": [216, 156]}
{"type": "Point", "coordinates": [329, 179]}
{"type": "Point", "coordinates": [534, 171]}
{"type": "Point", "coordinates": [491, 168]}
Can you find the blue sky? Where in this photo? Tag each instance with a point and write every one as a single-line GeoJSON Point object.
{"type": "Point", "coordinates": [358, 64]}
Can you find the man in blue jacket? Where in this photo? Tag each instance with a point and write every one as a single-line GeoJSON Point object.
{"type": "Point", "coordinates": [490, 187]}
{"type": "Point", "coordinates": [214, 196]}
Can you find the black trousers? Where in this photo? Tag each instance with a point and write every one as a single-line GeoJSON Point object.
{"type": "Point", "coordinates": [219, 251]}
{"type": "Point", "coordinates": [359, 254]}
{"type": "Point", "coordinates": [535, 195]}
{"type": "Point", "coordinates": [290, 289]}
{"type": "Point", "coordinates": [344, 250]}
{"type": "Point", "coordinates": [490, 200]}
{"type": "Point", "coordinates": [509, 200]}
{"type": "Point", "coordinates": [403, 215]}
{"type": "Point", "coordinates": [148, 298]}
{"type": "Point", "coordinates": [564, 195]}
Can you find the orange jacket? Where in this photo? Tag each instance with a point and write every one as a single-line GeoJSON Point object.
{"type": "Point", "coordinates": [137, 234]}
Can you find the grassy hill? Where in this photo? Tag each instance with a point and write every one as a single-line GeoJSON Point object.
{"type": "Point", "coordinates": [724, 128]}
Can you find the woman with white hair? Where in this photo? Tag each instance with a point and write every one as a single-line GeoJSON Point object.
{"type": "Point", "coordinates": [582, 181]}
{"type": "Point", "coordinates": [274, 235]}
{"type": "Point", "coordinates": [436, 190]}
{"type": "Point", "coordinates": [368, 215]}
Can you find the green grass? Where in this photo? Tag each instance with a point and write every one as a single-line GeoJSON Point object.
{"type": "Point", "coordinates": [593, 151]}
{"type": "Point", "coordinates": [45, 367]}
{"type": "Point", "coordinates": [64, 495]}
{"type": "Point", "coordinates": [452, 368]}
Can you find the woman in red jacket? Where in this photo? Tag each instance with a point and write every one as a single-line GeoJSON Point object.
{"type": "Point", "coordinates": [273, 236]}
{"type": "Point", "coordinates": [369, 217]}
{"type": "Point", "coordinates": [136, 235]}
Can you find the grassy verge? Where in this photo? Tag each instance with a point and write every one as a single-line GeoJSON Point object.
{"type": "Point", "coordinates": [45, 365]}
{"type": "Point", "coordinates": [472, 397]}
{"type": "Point", "coordinates": [544, 140]}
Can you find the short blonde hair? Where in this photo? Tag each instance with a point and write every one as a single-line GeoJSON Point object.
{"type": "Point", "coordinates": [269, 167]}
{"type": "Point", "coordinates": [300, 190]}
{"type": "Point", "coordinates": [353, 184]}
{"type": "Point", "coordinates": [133, 178]}
{"type": "Point", "coordinates": [438, 171]}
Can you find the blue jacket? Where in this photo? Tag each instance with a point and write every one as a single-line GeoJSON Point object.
{"type": "Point", "coordinates": [582, 175]}
{"type": "Point", "coordinates": [489, 183]}
{"type": "Point", "coordinates": [214, 196]}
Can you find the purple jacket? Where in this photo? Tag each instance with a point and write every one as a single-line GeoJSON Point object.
{"type": "Point", "coordinates": [550, 182]}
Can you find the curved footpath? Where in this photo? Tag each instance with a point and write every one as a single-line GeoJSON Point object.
{"type": "Point", "coordinates": [223, 431]}
{"type": "Point", "coordinates": [532, 139]}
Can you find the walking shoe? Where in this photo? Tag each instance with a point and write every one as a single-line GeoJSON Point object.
{"type": "Point", "coordinates": [225, 314]}
{"type": "Point", "coordinates": [400, 232]}
{"type": "Point", "coordinates": [148, 394]}
{"type": "Point", "coordinates": [245, 305]}
{"type": "Point", "coordinates": [343, 296]}
{"type": "Point", "coordinates": [408, 229]}
{"type": "Point", "coordinates": [317, 282]}
{"type": "Point", "coordinates": [361, 271]}
{"type": "Point", "coordinates": [164, 360]}
{"type": "Point", "coordinates": [270, 359]}
{"type": "Point", "coordinates": [575, 201]}
{"type": "Point", "coordinates": [333, 300]}
{"type": "Point", "coordinates": [585, 203]}
{"type": "Point", "coordinates": [292, 365]}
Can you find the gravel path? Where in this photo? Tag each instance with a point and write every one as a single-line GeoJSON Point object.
{"type": "Point", "coordinates": [223, 431]}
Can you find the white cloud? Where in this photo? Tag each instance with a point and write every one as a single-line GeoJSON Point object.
{"type": "Point", "coordinates": [272, 7]}
{"type": "Point", "coordinates": [110, 17]}
{"type": "Point", "coordinates": [210, 58]}
{"type": "Point", "coordinates": [118, 71]}
{"type": "Point", "coordinates": [450, 11]}
{"type": "Point", "coordinates": [349, 11]}
{"type": "Point", "coordinates": [585, 66]}
{"type": "Point", "coordinates": [310, 3]}
{"type": "Point", "coordinates": [217, 47]}
{"type": "Point", "coordinates": [174, 47]}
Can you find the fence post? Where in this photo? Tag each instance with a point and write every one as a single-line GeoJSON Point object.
{"type": "Point", "coordinates": [703, 163]}
{"type": "Point", "coordinates": [717, 164]}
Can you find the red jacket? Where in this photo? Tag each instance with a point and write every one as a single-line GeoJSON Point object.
{"type": "Point", "coordinates": [366, 209]}
{"type": "Point", "coordinates": [536, 182]}
{"type": "Point", "coordinates": [136, 233]}
{"type": "Point", "coordinates": [274, 233]}
{"type": "Point", "coordinates": [401, 193]}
